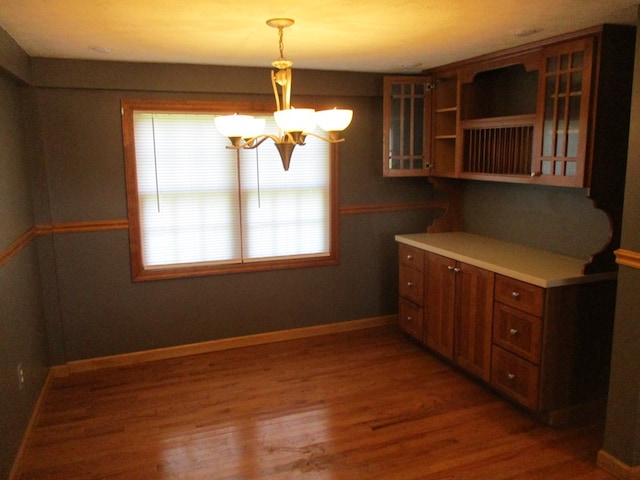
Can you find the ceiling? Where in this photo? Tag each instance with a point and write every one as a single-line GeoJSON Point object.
{"type": "Point", "coordinates": [355, 35]}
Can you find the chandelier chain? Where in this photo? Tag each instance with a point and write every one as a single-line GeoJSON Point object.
{"type": "Point", "coordinates": [281, 41]}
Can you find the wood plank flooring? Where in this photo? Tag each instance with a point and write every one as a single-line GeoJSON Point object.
{"type": "Point", "coordinates": [355, 405]}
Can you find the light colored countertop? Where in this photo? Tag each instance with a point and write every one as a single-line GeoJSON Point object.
{"type": "Point", "coordinates": [538, 267]}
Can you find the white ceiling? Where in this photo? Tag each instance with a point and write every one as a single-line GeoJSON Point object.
{"type": "Point", "coordinates": [356, 35]}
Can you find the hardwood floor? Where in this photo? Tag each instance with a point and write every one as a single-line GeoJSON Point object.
{"type": "Point", "coordinates": [362, 404]}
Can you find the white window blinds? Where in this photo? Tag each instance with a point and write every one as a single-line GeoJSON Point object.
{"type": "Point", "coordinates": [201, 203]}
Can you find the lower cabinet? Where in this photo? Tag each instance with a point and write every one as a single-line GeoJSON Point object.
{"type": "Point", "coordinates": [517, 339]}
{"type": "Point", "coordinates": [547, 349]}
{"type": "Point", "coordinates": [411, 281]}
{"type": "Point", "coordinates": [515, 377]}
{"type": "Point", "coordinates": [439, 304]}
{"type": "Point", "coordinates": [459, 298]}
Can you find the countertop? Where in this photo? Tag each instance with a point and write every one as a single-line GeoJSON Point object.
{"type": "Point", "coordinates": [538, 267]}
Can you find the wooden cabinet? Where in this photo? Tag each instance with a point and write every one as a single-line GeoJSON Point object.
{"type": "Point", "coordinates": [554, 112]}
{"type": "Point", "coordinates": [560, 156]}
{"type": "Point", "coordinates": [498, 118]}
{"type": "Point", "coordinates": [439, 317]}
{"type": "Point", "coordinates": [517, 332]}
{"type": "Point", "coordinates": [410, 289]}
{"type": "Point", "coordinates": [420, 115]}
{"type": "Point", "coordinates": [444, 131]}
{"type": "Point", "coordinates": [546, 348]}
{"type": "Point", "coordinates": [474, 291]}
{"type": "Point", "coordinates": [406, 125]}
{"type": "Point", "coordinates": [447, 305]}
{"type": "Point", "coordinates": [515, 378]}
{"type": "Point", "coordinates": [458, 310]}
{"type": "Point", "coordinates": [517, 339]}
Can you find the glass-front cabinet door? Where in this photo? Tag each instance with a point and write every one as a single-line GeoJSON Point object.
{"type": "Point", "coordinates": [407, 126]}
{"type": "Point", "coordinates": [564, 88]}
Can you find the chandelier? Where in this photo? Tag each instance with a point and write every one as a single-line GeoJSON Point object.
{"type": "Point", "coordinates": [294, 124]}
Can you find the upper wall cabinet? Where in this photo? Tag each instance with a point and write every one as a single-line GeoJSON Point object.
{"type": "Point", "coordinates": [445, 117]}
{"type": "Point", "coordinates": [498, 117]}
{"type": "Point", "coordinates": [407, 126]}
{"type": "Point", "coordinates": [554, 112]}
{"type": "Point", "coordinates": [420, 115]}
{"type": "Point", "coordinates": [560, 154]}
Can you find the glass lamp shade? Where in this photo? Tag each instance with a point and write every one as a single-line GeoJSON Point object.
{"type": "Point", "coordinates": [334, 120]}
{"type": "Point", "coordinates": [243, 126]}
{"type": "Point", "coordinates": [296, 119]}
{"type": "Point", "coordinates": [256, 128]}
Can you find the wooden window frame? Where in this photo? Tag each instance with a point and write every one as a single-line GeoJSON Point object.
{"type": "Point", "coordinates": [139, 272]}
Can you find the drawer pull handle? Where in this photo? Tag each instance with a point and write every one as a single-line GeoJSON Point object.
{"type": "Point", "coordinates": [515, 294]}
{"type": "Point", "coordinates": [409, 284]}
{"type": "Point", "coordinates": [511, 376]}
{"type": "Point", "coordinates": [409, 257]}
{"type": "Point", "coordinates": [513, 332]}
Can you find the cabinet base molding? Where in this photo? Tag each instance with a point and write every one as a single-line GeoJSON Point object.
{"type": "Point", "coordinates": [616, 467]}
{"type": "Point", "coordinates": [217, 345]}
{"type": "Point", "coordinates": [583, 414]}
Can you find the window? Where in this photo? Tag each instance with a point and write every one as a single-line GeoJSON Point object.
{"type": "Point", "coordinates": [197, 208]}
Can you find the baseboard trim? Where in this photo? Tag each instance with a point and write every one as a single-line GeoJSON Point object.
{"type": "Point", "coordinates": [33, 421]}
{"type": "Point", "coordinates": [627, 258]}
{"type": "Point", "coordinates": [581, 414]}
{"type": "Point", "coordinates": [616, 467]}
{"type": "Point", "coordinates": [216, 345]}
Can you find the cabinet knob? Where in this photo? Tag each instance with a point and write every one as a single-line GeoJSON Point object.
{"type": "Point", "coordinates": [409, 284]}
{"type": "Point", "coordinates": [409, 319]}
{"type": "Point", "coordinates": [449, 267]}
{"type": "Point", "coordinates": [511, 376]}
{"type": "Point", "coordinates": [513, 332]}
{"type": "Point", "coordinates": [456, 270]}
{"type": "Point", "coordinates": [409, 257]}
{"type": "Point", "coordinates": [515, 294]}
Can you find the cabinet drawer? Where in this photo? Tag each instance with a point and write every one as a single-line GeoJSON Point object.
{"type": "Point", "coordinates": [411, 256]}
{"type": "Point", "coordinates": [515, 377]}
{"type": "Point", "coordinates": [411, 283]}
{"type": "Point", "coordinates": [410, 317]}
{"type": "Point", "coordinates": [524, 296]}
{"type": "Point", "coordinates": [517, 331]}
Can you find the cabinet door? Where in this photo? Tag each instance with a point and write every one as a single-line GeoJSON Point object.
{"type": "Point", "coordinates": [406, 126]}
{"type": "Point", "coordinates": [564, 96]}
{"type": "Point", "coordinates": [439, 304]}
{"type": "Point", "coordinates": [474, 316]}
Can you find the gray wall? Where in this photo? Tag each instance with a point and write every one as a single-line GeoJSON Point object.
{"type": "Point", "coordinates": [560, 220]}
{"type": "Point", "coordinates": [622, 434]}
{"type": "Point", "coordinates": [100, 311]}
{"type": "Point", "coordinates": [22, 331]}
